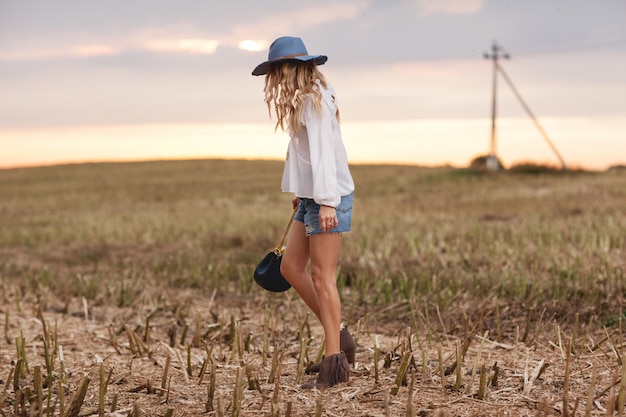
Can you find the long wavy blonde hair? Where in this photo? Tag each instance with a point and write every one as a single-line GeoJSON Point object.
{"type": "Point", "coordinates": [285, 85]}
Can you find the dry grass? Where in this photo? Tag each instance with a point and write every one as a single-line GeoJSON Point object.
{"type": "Point", "coordinates": [470, 294]}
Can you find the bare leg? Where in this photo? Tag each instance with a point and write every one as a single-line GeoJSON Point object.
{"type": "Point", "coordinates": [324, 250]}
{"type": "Point", "coordinates": [319, 288]}
{"type": "Point", "coordinates": [293, 267]}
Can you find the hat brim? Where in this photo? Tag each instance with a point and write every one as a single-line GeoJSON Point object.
{"type": "Point", "coordinates": [264, 68]}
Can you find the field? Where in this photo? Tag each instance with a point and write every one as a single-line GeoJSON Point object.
{"type": "Point", "coordinates": [126, 290]}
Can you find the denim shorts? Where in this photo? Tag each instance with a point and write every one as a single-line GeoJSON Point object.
{"type": "Point", "coordinates": [308, 213]}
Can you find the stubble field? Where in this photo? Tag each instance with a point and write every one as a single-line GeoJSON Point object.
{"type": "Point", "coordinates": [126, 290]}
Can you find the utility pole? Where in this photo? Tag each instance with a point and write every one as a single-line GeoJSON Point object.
{"type": "Point", "coordinates": [496, 53]}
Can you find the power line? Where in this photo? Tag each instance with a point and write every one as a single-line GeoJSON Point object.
{"type": "Point", "coordinates": [532, 116]}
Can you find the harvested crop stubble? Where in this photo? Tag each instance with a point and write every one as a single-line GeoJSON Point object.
{"type": "Point", "coordinates": [477, 294]}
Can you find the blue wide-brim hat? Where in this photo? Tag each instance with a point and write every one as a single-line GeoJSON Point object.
{"type": "Point", "coordinates": [284, 48]}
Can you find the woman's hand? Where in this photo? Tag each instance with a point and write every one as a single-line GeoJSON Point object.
{"type": "Point", "coordinates": [295, 202]}
{"type": "Point", "coordinates": [328, 218]}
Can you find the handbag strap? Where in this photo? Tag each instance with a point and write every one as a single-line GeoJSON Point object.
{"type": "Point", "coordinates": [279, 248]}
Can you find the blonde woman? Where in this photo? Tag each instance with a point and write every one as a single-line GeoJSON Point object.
{"type": "Point", "coordinates": [316, 172]}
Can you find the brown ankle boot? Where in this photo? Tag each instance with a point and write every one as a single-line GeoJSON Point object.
{"type": "Point", "coordinates": [346, 344]}
{"type": "Point", "coordinates": [334, 369]}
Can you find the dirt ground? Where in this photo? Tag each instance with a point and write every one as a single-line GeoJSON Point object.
{"type": "Point", "coordinates": [537, 380]}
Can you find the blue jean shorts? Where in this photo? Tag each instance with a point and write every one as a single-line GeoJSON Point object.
{"type": "Point", "coordinates": [308, 213]}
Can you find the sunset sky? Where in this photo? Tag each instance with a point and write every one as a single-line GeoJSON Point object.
{"type": "Point", "coordinates": [154, 79]}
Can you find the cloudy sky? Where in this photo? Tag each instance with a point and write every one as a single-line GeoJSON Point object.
{"type": "Point", "coordinates": [104, 80]}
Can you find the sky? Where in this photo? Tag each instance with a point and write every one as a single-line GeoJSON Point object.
{"type": "Point", "coordinates": [153, 79]}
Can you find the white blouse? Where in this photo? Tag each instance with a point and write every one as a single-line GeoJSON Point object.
{"type": "Point", "coordinates": [317, 162]}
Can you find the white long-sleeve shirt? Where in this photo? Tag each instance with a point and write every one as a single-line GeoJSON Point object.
{"type": "Point", "coordinates": [317, 162]}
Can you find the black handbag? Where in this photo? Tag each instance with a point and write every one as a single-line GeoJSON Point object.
{"type": "Point", "coordinates": [267, 273]}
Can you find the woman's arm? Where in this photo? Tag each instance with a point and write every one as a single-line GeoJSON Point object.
{"type": "Point", "coordinates": [322, 151]}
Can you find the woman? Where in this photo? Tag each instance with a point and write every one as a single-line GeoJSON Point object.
{"type": "Point", "coordinates": [316, 171]}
